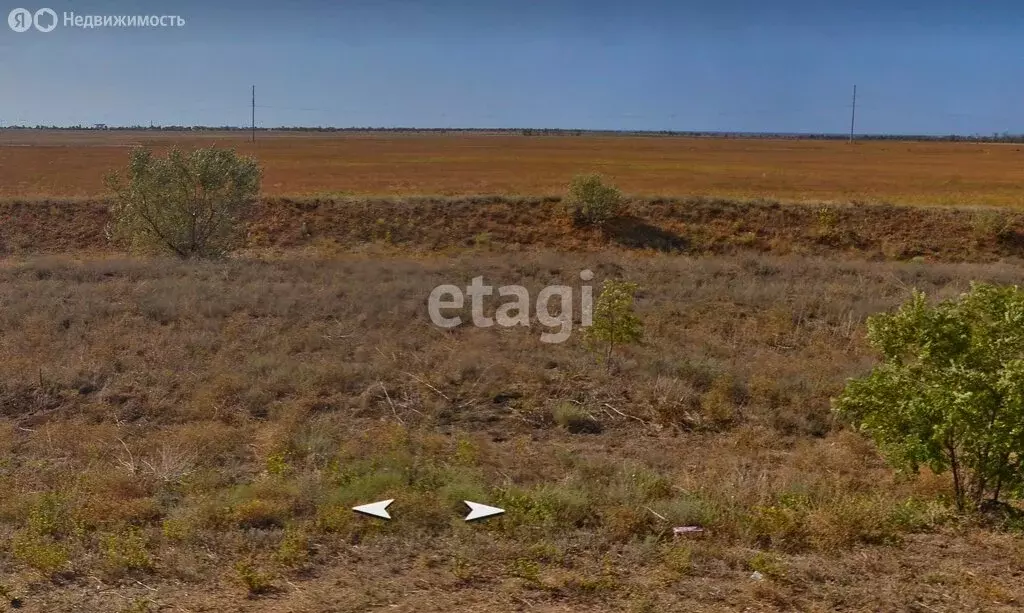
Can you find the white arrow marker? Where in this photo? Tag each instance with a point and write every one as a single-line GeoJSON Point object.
{"type": "Point", "coordinates": [377, 509]}
{"type": "Point", "coordinates": [480, 511]}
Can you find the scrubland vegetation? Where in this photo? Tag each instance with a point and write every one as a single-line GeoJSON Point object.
{"type": "Point", "coordinates": [191, 435]}
{"type": "Point", "coordinates": [211, 424]}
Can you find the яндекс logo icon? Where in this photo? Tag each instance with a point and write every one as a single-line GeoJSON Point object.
{"type": "Point", "coordinates": [20, 20]}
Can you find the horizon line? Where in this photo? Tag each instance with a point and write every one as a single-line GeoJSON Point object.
{"type": "Point", "coordinates": [100, 127]}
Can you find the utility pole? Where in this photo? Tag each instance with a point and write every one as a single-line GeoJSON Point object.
{"type": "Point", "coordinates": [853, 112]}
{"type": "Point", "coordinates": [254, 113]}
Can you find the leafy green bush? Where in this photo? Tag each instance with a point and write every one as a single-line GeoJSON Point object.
{"type": "Point", "coordinates": [590, 201]}
{"type": "Point", "coordinates": [614, 322]}
{"type": "Point", "coordinates": [949, 393]}
{"type": "Point", "coordinates": [189, 204]}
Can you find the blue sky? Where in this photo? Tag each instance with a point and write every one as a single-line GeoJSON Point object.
{"type": "Point", "coordinates": [734, 65]}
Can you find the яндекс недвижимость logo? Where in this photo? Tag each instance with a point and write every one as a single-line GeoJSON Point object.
{"type": "Point", "coordinates": [46, 20]}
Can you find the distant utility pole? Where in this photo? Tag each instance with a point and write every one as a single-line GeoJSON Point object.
{"type": "Point", "coordinates": [254, 113]}
{"type": "Point", "coordinates": [853, 112]}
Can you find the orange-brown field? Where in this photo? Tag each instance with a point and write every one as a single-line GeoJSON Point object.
{"type": "Point", "coordinates": [72, 164]}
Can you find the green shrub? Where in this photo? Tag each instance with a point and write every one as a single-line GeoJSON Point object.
{"type": "Point", "coordinates": [294, 549]}
{"type": "Point", "coordinates": [52, 515]}
{"type": "Point", "coordinates": [255, 580]}
{"type": "Point", "coordinates": [188, 204]}
{"type": "Point", "coordinates": [590, 201]}
{"type": "Point", "coordinates": [40, 552]}
{"type": "Point", "coordinates": [614, 322]}
{"type": "Point", "coordinates": [49, 530]}
{"type": "Point", "coordinates": [127, 551]}
{"type": "Point", "coordinates": [949, 393]}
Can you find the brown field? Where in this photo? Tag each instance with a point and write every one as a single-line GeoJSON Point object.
{"type": "Point", "coordinates": [191, 436]}
{"type": "Point", "coordinates": [72, 164]}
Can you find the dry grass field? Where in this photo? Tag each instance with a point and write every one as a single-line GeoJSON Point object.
{"type": "Point", "coordinates": [191, 436]}
{"type": "Point", "coordinates": [72, 164]}
{"type": "Point", "coordinates": [165, 422]}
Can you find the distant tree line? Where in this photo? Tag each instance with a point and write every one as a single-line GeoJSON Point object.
{"type": "Point", "coordinates": [1004, 137]}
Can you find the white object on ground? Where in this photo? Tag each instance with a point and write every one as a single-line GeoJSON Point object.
{"type": "Point", "coordinates": [377, 509]}
{"type": "Point", "coordinates": [480, 511]}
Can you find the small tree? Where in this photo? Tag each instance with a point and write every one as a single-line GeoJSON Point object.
{"type": "Point", "coordinates": [949, 393]}
{"type": "Point", "coordinates": [614, 322]}
{"type": "Point", "coordinates": [189, 204]}
{"type": "Point", "coordinates": [590, 201]}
